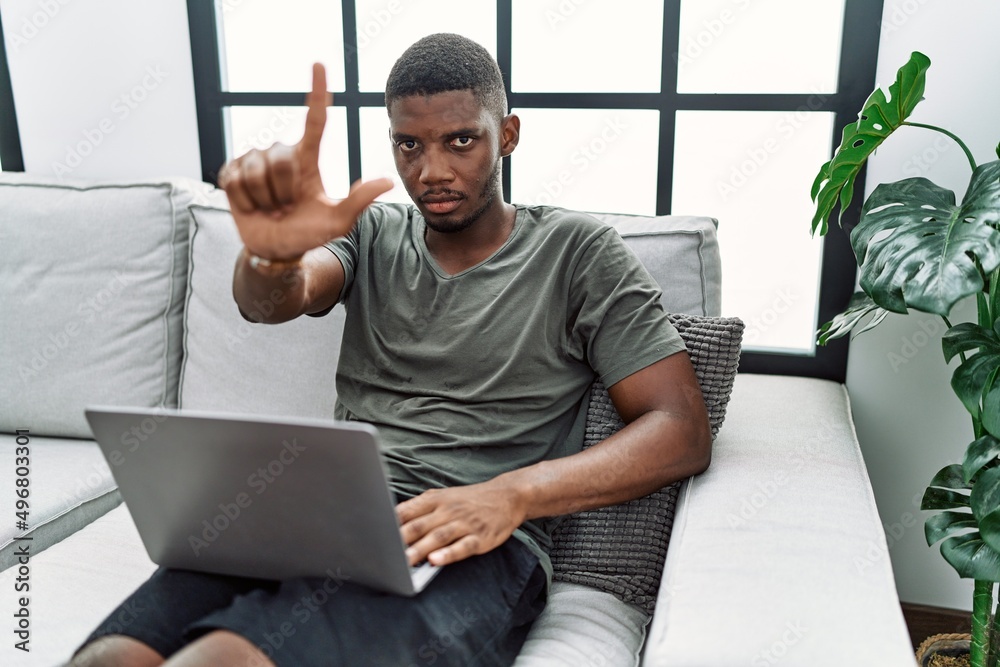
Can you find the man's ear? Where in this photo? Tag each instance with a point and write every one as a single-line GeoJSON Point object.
{"type": "Point", "coordinates": [510, 134]}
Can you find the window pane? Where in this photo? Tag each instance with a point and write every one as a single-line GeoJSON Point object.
{"type": "Point", "coordinates": [551, 54]}
{"type": "Point", "coordinates": [270, 46]}
{"type": "Point", "coordinates": [387, 27]}
{"type": "Point", "coordinates": [376, 153]}
{"type": "Point", "coordinates": [753, 171]}
{"type": "Point", "coordinates": [741, 46]}
{"type": "Point", "coordinates": [259, 127]}
{"type": "Point", "coordinates": [600, 160]}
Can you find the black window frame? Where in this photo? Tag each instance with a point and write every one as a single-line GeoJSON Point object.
{"type": "Point", "coordinates": [858, 60]}
{"type": "Point", "coordinates": [10, 137]}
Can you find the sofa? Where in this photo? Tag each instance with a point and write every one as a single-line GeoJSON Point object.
{"type": "Point", "coordinates": [120, 293]}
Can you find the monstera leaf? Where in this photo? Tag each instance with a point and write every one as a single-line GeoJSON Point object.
{"type": "Point", "coordinates": [985, 502]}
{"type": "Point", "coordinates": [861, 305]}
{"type": "Point", "coordinates": [878, 119]}
{"type": "Point", "coordinates": [975, 379]}
{"type": "Point", "coordinates": [980, 454]}
{"type": "Point", "coordinates": [918, 249]}
{"type": "Point", "coordinates": [964, 546]}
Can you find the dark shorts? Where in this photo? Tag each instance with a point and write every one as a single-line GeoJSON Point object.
{"type": "Point", "coordinates": [475, 612]}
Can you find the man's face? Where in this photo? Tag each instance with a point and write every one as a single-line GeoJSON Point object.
{"type": "Point", "coordinates": [447, 149]}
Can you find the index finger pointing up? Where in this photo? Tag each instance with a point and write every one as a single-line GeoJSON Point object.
{"type": "Point", "coordinates": [317, 100]}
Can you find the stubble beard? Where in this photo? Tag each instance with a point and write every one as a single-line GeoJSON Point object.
{"type": "Point", "coordinates": [489, 192]}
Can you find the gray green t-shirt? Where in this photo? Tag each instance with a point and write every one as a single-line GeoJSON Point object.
{"type": "Point", "coordinates": [470, 375]}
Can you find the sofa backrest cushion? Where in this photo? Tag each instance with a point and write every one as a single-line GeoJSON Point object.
{"type": "Point", "coordinates": [237, 366]}
{"type": "Point", "coordinates": [94, 277]}
{"type": "Point", "coordinates": [234, 365]}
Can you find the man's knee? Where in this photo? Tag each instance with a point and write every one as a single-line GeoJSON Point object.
{"type": "Point", "coordinates": [114, 650]}
{"type": "Point", "coordinates": [221, 647]}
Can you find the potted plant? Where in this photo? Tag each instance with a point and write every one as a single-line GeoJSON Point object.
{"type": "Point", "coordinates": [919, 249]}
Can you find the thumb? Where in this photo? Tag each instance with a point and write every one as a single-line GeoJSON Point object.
{"type": "Point", "coordinates": [362, 195]}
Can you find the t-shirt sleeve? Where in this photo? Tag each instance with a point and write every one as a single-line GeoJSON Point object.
{"type": "Point", "coordinates": [616, 320]}
{"type": "Point", "coordinates": [346, 249]}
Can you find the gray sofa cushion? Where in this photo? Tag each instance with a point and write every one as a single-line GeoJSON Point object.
{"type": "Point", "coordinates": [92, 298]}
{"type": "Point", "coordinates": [70, 485]}
{"type": "Point", "coordinates": [237, 366]}
{"type": "Point", "coordinates": [780, 542]}
{"type": "Point", "coordinates": [681, 252]}
{"type": "Point", "coordinates": [620, 549]}
{"type": "Point", "coordinates": [75, 585]}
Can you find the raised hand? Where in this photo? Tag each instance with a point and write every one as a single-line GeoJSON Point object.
{"type": "Point", "coordinates": [277, 196]}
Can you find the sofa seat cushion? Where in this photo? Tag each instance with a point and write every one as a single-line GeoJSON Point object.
{"type": "Point", "coordinates": [69, 485]}
{"type": "Point", "coordinates": [779, 543]}
{"type": "Point", "coordinates": [75, 585]}
{"type": "Point", "coordinates": [94, 278]}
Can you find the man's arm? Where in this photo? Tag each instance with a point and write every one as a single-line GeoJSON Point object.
{"type": "Point", "coordinates": [284, 292]}
{"type": "Point", "coordinates": [283, 216]}
{"type": "Point", "coordinates": [666, 438]}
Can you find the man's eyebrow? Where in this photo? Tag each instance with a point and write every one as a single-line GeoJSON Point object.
{"type": "Point", "coordinates": [399, 136]}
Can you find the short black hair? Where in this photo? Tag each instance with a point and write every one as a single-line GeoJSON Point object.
{"type": "Point", "coordinates": [444, 62]}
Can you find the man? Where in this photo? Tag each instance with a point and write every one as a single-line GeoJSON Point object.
{"type": "Point", "coordinates": [474, 329]}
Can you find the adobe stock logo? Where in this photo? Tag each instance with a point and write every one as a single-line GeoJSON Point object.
{"type": "Point", "coordinates": [793, 633]}
{"type": "Point", "coordinates": [230, 512]}
{"type": "Point", "coordinates": [562, 13]}
{"type": "Point", "coordinates": [910, 346]}
{"type": "Point", "coordinates": [34, 23]}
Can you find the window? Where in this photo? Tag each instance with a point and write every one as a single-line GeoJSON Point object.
{"type": "Point", "coordinates": [724, 108]}
{"type": "Point", "coordinates": [10, 142]}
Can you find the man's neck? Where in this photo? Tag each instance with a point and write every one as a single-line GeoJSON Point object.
{"type": "Point", "coordinates": [458, 251]}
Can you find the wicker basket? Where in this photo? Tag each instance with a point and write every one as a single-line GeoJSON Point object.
{"type": "Point", "coordinates": [950, 647]}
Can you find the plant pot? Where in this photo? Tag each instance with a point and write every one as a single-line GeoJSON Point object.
{"type": "Point", "coordinates": [951, 650]}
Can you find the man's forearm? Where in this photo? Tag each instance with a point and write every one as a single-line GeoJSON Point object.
{"type": "Point", "coordinates": [272, 295]}
{"type": "Point", "coordinates": [649, 453]}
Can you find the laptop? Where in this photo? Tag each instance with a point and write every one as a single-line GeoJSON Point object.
{"type": "Point", "coordinates": [265, 497]}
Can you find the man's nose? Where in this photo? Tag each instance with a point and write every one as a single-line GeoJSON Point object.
{"type": "Point", "coordinates": [435, 168]}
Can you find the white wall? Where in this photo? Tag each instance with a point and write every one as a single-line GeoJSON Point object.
{"type": "Point", "coordinates": [103, 89]}
{"type": "Point", "coordinates": [909, 422]}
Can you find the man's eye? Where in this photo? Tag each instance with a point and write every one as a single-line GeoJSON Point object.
{"type": "Point", "coordinates": [407, 146]}
{"type": "Point", "coordinates": [462, 141]}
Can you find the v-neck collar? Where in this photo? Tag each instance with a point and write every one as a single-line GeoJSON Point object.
{"type": "Point", "coordinates": [419, 229]}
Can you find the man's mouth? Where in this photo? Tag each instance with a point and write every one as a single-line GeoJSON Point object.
{"type": "Point", "coordinates": [441, 204]}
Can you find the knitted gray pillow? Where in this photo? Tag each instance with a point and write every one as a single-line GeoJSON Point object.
{"type": "Point", "coordinates": [620, 549]}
